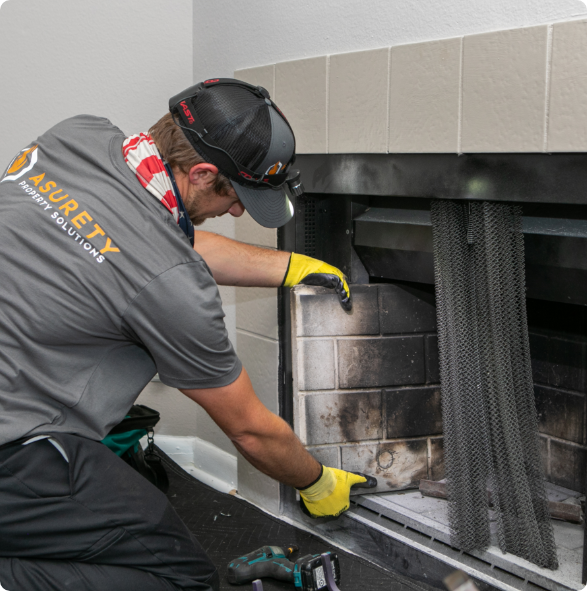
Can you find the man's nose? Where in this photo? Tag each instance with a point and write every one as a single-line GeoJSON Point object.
{"type": "Point", "coordinates": [237, 210]}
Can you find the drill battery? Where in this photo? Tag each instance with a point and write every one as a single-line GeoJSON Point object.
{"type": "Point", "coordinates": [307, 573]}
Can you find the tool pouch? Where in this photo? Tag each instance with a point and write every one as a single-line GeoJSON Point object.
{"type": "Point", "coordinates": [124, 438]}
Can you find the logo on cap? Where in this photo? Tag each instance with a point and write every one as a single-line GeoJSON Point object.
{"type": "Point", "coordinates": [23, 162]}
{"type": "Point", "coordinates": [274, 169]}
{"type": "Point", "coordinates": [187, 112]}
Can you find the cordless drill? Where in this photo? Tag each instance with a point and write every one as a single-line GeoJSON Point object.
{"type": "Point", "coordinates": [307, 573]}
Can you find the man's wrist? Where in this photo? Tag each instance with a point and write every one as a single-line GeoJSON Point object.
{"type": "Point", "coordinates": [287, 270]}
{"type": "Point", "coordinates": [302, 488]}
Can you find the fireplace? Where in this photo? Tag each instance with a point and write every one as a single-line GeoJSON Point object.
{"type": "Point", "coordinates": [363, 390]}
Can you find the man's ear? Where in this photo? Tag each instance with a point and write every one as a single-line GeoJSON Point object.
{"type": "Point", "coordinates": [203, 174]}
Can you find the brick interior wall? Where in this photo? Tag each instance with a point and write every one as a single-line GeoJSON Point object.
{"type": "Point", "coordinates": [558, 343]}
{"type": "Point", "coordinates": [366, 384]}
{"type": "Point", "coordinates": [367, 393]}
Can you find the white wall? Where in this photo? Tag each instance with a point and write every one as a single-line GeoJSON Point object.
{"type": "Point", "coordinates": [231, 35]}
{"type": "Point", "coordinates": [58, 58]}
{"type": "Point", "coordinates": [118, 59]}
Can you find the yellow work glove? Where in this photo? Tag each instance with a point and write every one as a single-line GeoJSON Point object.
{"type": "Point", "coordinates": [329, 495]}
{"type": "Point", "coordinates": [309, 271]}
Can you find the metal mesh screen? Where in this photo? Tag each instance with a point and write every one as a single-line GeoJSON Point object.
{"type": "Point", "coordinates": [490, 425]}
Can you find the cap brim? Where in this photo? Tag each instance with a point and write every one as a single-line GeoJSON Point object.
{"type": "Point", "coordinates": [269, 207]}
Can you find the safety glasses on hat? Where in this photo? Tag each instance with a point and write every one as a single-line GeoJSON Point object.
{"type": "Point", "coordinates": [236, 127]}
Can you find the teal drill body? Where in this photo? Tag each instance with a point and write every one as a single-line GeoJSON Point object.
{"type": "Point", "coordinates": [306, 573]}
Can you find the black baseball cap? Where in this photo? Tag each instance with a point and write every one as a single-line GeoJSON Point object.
{"type": "Point", "coordinates": [238, 128]}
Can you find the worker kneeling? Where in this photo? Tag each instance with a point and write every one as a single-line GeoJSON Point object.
{"type": "Point", "coordinates": [127, 287]}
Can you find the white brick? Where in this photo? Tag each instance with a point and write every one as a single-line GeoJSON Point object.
{"type": "Point", "coordinates": [260, 76]}
{"type": "Point", "coordinates": [358, 102]}
{"type": "Point", "coordinates": [249, 231]}
{"type": "Point", "coordinates": [504, 91]}
{"type": "Point", "coordinates": [256, 310]}
{"type": "Point", "coordinates": [424, 97]}
{"type": "Point", "coordinates": [260, 357]}
{"type": "Point", "coordinates": [300, 92]}
{"type": "Point", "coordinates": [568, 115]}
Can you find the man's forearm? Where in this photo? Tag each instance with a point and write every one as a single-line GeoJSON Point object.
{"type": "Point", "coordinates": [236, 263]}
{"type": "Point", "coordinates": [279, 454]}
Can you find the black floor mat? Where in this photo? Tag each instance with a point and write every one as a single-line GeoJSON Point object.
{"type": "Point", "coordinates": [228, 527]}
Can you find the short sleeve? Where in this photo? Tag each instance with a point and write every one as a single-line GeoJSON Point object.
{"type": "Point", "coordinates": [178, 317]}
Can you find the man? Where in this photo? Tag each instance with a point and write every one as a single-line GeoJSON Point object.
{"type": "Point", "coordinates": [101, 288]}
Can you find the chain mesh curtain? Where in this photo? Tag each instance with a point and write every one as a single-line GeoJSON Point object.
{"type": "Point", "coordinates": [490, 425]}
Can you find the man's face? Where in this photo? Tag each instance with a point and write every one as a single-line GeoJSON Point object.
{"type": "Point", "coordinates": [204, 203]}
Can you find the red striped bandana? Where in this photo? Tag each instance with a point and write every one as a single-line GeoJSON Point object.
{"type": "Point", "coordinates": [143, 158]}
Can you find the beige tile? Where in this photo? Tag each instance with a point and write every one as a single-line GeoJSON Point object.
{"type": "Point", "coordinates": [424, 97]}
{"type": "Point", "coordinates": [358, 105]}
{"type": "Point", "coordinates": [504, 91]}
{"type": "Point", "coordinates": [257, 487]}
{"type": "Point", "coordinates": [256, 310]}
{"type": "Point", "coordinates": [260, 357]}
{"type": "Point", "coordinates": [300, 92]}
{"type": "Point", "coordinates": [567, 130]}
{"type": "Point", "coordinates": [249, 231]}
{"type": "Point", "coordinates": [260, 76]}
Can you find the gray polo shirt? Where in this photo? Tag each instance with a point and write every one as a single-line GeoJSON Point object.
{"type": "Point", "coordinates": [99, 289]}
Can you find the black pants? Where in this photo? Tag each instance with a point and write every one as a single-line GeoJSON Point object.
{"type": "Point", "coordinates": [90, 524]}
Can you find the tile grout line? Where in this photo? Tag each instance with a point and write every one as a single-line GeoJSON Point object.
{"type": "Point", "coordinates": [373, 389]}
{"type": "Point", "coordinates": [374, 336]}
{"type": "Point", "coordinates": [429, 447]}
{"type": "Point", "coordinates": [460, 107]}
{"type": "Point", "coordinates": [548, 458]}
{"type": "Point", "coordinates": [254, 334]}
{"type": "Point", "coordinates": [327, 103]}
{"type": "Point", "coordinates": [335, 348]}
{"type": "Point", "coordinates": [388, 139]}
{"type": "Point", "coordinates": [547, 90]}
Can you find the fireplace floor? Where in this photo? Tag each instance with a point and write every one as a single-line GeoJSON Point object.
{"type": "Point", "coordinates": [416, 514]}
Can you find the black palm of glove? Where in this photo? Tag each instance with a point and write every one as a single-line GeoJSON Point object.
{"type": "Point", "coordinates": [309, 271]}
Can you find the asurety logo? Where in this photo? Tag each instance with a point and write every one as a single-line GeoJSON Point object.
{"type": "Point", "coordinates": [81, 227]}
{"type": "Point", "coordinates": [22, 163]}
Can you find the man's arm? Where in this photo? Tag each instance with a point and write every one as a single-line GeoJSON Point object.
{"type": "Point", "coordinates": [237, 263]}
{"type": "Point", "coordinates": [264, 439]}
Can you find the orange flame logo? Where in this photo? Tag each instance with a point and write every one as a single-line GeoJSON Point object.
{"type": "Point", "coordinates": [21, 160]}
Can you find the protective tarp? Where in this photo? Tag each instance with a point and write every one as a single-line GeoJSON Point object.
{"type": "Point", "coordinates": [494, 468]}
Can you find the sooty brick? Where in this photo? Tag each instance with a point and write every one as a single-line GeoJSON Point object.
{"type": "Point", "coordinates": [560, 413]}
{"type": "Point", "coordinates": [319, 312]}
{"type": "Point", "coordinates": [567, 465]}
{"type": "Point", "coordinates": [343, 417]}
{"type": "Point", "coordinates": [543, 444]}
{"type": "Point", "coordinates": [397, 465]}
{"type": "Point", "coordinates": [432, 360]}
{"type": "Point", "coordinates": [436, 461]}
{"type": "Point", "coordinates": [329, 455]}
{"type": "Point", "coordinates": [413, 412]}
{"type": "Point", "coordinates": [559, 362]}
{"type": "Point", "coordinates": [406, 309]}
{"type": "Point", "coordinates": [367, 363]}
{"type": "Point", "coordinates": [316, 364]}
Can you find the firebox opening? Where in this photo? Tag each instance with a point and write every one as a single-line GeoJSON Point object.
{"type": "Point", "coordinates": [372, 409]}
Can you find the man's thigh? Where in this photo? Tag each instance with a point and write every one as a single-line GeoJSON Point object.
{"type": "Point", "coordinates": [92, 509]}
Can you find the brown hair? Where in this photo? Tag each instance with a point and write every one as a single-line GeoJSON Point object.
{"type": "Point", "coordinates": [177, 150]}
